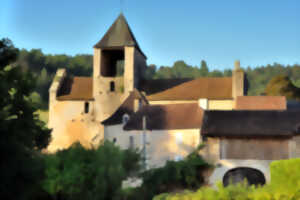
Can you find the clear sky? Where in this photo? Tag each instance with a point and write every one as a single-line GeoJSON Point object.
{"type": "Point", "coordinates": [258, 32]}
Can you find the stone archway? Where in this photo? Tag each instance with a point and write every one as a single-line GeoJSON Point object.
{"type": "Point", "coordinates": [238, 175]}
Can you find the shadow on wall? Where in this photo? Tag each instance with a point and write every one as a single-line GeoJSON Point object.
{"type": "Point", "coordinates": [240, 174]}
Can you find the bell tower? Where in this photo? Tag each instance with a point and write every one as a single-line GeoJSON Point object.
{"type": "Point", "coordinates": [118, 65]}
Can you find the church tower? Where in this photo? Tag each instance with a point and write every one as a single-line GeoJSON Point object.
{"type": "Point", "coordinates": [118, 66]}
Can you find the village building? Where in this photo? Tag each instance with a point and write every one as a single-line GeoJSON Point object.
{"type": "Point", "coordinates": [167, 119]}
{"type": "Point", "coordinates": [244, 139]}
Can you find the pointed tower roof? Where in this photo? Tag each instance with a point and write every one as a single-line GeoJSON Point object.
{"type": "Point", "coordinates": [118, 35]}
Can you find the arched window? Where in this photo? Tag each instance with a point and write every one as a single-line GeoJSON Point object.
{"type": "Point", "coordinates": [86, 107]}
{"type": "Point", "coordinates": [239, 174]}
{"type": "Point", "coordinates": [112, 86]}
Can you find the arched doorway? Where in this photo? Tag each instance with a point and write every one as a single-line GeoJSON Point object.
{"type": "Point", "coordinates": [238, 175]}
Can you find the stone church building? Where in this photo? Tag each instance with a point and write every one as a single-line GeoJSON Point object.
{"type": "Point", "coordinates": [166, 118]}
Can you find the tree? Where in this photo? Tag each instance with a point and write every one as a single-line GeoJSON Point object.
{"type": "Point", "coordinates": [22, 134]}
{"type": "Point", "coordinates": [150, 71]}
{"type": "Point", "coordinates": [79, 173]}
{"type": "Point", "coordinates": [203, 68]}
{"type": "Point", "coordinates": [282, 86]}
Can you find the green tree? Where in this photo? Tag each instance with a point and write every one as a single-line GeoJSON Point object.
{"type": "Point", "coordinates": [79, 173]}
{"type": "Point", "coordinates": [216, 73]}
{"type": "Point", "coordinates": [22, 134]}
{"type": "Point", "coordinates": [150, 71]}
{"type": "Point", "coordinates": [203, 69]}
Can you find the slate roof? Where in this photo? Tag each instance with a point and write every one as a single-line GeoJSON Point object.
{"type": "Point", "coordinates": [118, 35]}
{"type": "Point", "coordinates": [251, 123]}
{"type": "Point", "coordinates": [127, 107]}
{"type": "Point", "coordinates": [210, 88]}
{"type": "Point", "coordinates": [167, 117]}
{"type": "Point", "coordinates": [261, 103]}
{"type": "Point", "coordinates": [76, 88]}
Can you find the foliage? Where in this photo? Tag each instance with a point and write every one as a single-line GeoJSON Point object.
{"type": "Point", "coordinates": [282, 86]}
{"type": "Point", "coordinates": [174, 175]}
{"type": "Point", "coordinates": [43, 115]}
{"type": "Point", "coordinates": [287, 172]}
{"type": "Point", "coordinates": [284, 184]}
{"type": "Point", "coordinates": [44, 66]}
{"type": "Point", "coordinates": [79, 173]}
{"type": "Point", "coordinates": [22, 134]}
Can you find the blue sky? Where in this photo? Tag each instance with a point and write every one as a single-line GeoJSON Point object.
{"type": "Point", "coordinates": [258, 32]}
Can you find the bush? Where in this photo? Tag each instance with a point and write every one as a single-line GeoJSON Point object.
{"type": "Point", "coordinates": [285, 185]}
{"type": "Point", "coordinates": [79, 173]}
{"type": "Point", "coordinates": [285, 174]}
{"type": "Point", "coordinates": [174, 176]}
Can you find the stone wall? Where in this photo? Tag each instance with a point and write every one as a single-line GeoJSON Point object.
{"type": "Point", "coordinates": [211, 151]}
{"type": "Point", "coordinates": [254, 148]}
{"type": "Point", "coordinates": [224, 166]}
{"type": "Point", "coordinates": [71, 124]}
{"type": "Point", "coordinates": [295, 147]}
{"type": "Point", "coordinates": [161, 145]}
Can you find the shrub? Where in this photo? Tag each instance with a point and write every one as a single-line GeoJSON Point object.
{"type": "Point", "coordinates": [174, 175]}
{"type": "Point", "coordinates": [79, 173]}
{"type": "Point", "coordinates": [285, 185]}
{"type": "Point", "coordinates": [285, 174]}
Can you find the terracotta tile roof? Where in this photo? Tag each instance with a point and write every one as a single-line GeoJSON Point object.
{"type": "Point", "coordinates": [118, 35]}
{"type": "Point", "coordinates": [261, 103]}
{"type": "Point", "coordinates": [210, 88]}
{"type": "Point", "coordinates": [167, 117]}
{"type": "Point", "coordinates": [76, 88]}
{"type": "Point", "coordinates": [127, 107]}
{"type": "Point", "coordinates": [250, 123]}
{"type": "Point", "coordinates": [158, 85]}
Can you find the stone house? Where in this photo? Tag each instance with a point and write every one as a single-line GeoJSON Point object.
{"type": "Point", "coordinates": [171, 131]}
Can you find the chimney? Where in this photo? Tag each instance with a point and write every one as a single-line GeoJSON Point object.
{"type": "Point", "coordinates": [237, 80]}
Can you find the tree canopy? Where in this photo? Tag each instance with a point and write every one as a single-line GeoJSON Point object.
{"type": "Point", "coordinates": [22, 134]}
{"type": "Point", "coordinates": [43, 66]}
{"type": "Point", "coordinates": [282, 86]}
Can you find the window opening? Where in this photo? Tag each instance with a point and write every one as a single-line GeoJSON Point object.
{"type": "Point", "coordinates": [112, 86]}
{"type": "Point", "coordinates": [86, 107]}
{"type": "Point", "coordinates": [112, 63]}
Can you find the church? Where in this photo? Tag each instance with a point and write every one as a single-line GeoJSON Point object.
{"type": "Point", "coordinates": [168, 118]}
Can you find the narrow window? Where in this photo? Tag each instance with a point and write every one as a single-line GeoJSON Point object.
{"type": "Point", "coordinates": [131, 142]}
{"type": "Point", "coordinates": [114, 140]}
{"type": "Point", "coordinates": [125, 119]}
{"type": "Point", "coordinates": [86, 107]}
{"type": "Point", "coordinates": [112, 86]}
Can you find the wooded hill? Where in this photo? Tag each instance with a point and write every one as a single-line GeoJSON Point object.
{"type": "Point", "coordinates": [44, 67]}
